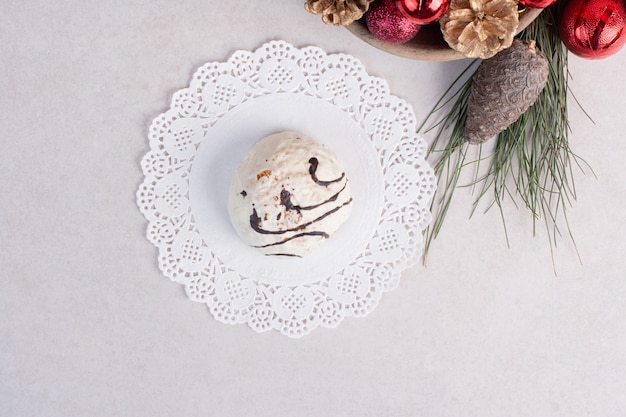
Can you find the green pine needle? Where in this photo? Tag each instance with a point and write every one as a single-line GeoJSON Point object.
{"type": "Point", "coordinates": [532, 163]}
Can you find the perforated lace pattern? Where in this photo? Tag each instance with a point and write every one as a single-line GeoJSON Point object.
{"type": "Point", "coordinates": [218, 87]}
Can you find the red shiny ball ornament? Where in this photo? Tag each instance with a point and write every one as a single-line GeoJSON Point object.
{"type": "Point", "coordinates": [423, 12]}
{"type": "Point", "coordinates": [385, 21]}
{"type": "Point", "coordinates": [537, 4]}
{"type": "Point", "coordinates": [593, 29]}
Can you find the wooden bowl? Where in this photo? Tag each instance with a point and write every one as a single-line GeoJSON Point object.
{"type": "Point", "coordinates": [428, 44]}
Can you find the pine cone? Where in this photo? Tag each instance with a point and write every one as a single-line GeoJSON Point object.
{"type": "Point", "coordinates": [480, 28]}
{"type": "Point", "coordinates": [503, 88]}
{"type": "Point", "coordinates": [338, 12]}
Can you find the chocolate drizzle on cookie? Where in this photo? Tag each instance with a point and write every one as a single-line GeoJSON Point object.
{"type": "Point", "coordinates": [302, 231]}
{"type": "Point", "coordinates": [285, 200]}
{"type": "Point", "coordinates": [256, 222]}
{"type": "Point", "coordinates": [299, 235]}
{"type": "Point", "coordinates": [289, 194]}
{"type": "Point", "coordinates": [313, 171]}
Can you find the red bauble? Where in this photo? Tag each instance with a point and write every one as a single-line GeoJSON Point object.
{"type": "Point", "coordinates": [593, 28]}
{"type": "Point", "coordinates": [386, 22]}
{"type": "Point", "coordinates": [423, 12]}
{"type": "Point", "coordinates": [537, 4]}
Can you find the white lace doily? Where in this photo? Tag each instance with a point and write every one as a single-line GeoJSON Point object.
{"type": "Point", "coordinates": [197, 144]}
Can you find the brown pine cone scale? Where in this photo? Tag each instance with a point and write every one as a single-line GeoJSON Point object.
{"type": "Point", "coordinates": [338, 12]}
{"type": "Point", "coordinates": [480, 28]}
{"type": "Point", "coordinates": [503, 88]}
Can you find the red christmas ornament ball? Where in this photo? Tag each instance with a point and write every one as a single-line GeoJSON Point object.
{"type": "Point", "coordinates": [537, 4]}
{"type": "Point", "coordinates": [593, 29]}
{"type": "Point", "coordinates": [385, 21]}
{"type": "Point", "coordinates": [423, 12]}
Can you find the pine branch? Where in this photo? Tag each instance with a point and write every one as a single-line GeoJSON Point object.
{"type": "Point", "coordinates": [532, 163]}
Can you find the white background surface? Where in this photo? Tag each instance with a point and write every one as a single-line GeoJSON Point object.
{"type": "Point", "coordinates": [90, 327]}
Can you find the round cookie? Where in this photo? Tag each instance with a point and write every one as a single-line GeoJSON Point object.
{"type": "Point", "coordinates": [289, 194]}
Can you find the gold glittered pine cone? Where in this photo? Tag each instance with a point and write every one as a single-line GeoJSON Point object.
{"type": "Point", "coordinates": [480, 28]}
{"type": "Point", "coordinates": [338, 12]}
{"type": "Point", "coordinates": [503, 88]}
